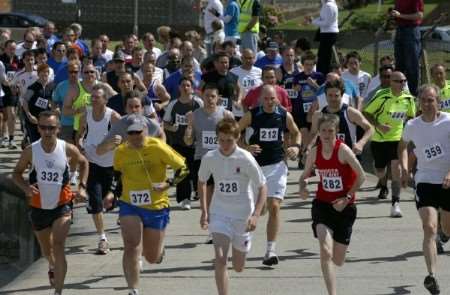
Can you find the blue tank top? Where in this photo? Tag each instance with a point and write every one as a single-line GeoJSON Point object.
{"type": "Point", "coordinates": [268, 133]}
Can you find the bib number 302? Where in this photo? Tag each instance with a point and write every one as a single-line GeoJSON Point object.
{"type": "Point", "coordinates": [140, 198]}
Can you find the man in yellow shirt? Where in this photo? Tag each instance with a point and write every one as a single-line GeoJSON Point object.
{"type": "Point", "coordinates": [140, 166]}
{"type": "Point", "coordinates": [439, 77]}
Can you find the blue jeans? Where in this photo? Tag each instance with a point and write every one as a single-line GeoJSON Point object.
{"type": "Point", "coordinates": [407, 48]}
{"type": "Point", "coordinates": [249, 40]}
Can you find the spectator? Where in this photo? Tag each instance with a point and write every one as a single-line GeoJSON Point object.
{"type": "Point", "coordinates": [218, 31]}
{"type": "Point", "coordinates": [106, 53]}
{"type": "Point", "coordinates": [78, 30]}
{"type": "Point", "coordinates": [231, 20]}
{"type": "Point", "coordinates": [197, 42]}
{"type": "Point", "coordinates": [49, 34]}
{"type": "Point", "coordinates": [249, 24]}
{"type": "Point", "coordinates": [149, 44]}
{"type": "Point", "coordinates": [213, 11]}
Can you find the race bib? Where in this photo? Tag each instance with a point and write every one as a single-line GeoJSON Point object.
{"type": "Point", "coordinates": [332, 184]}
{"type": "Point", "coordinates": [41, 103]}
{"type": "Point", "coordinates": [180, 119]}
{"type": "Point", "coordinates": [223, 101]}
{"type": "Point", "coordinates": [140, 198]}
{"type": "Point", "coordinates": [10, 75]}
{"type": "Point", "coordinates": [445, 104]}
{"type": "Point", "coordinates": [229, 187]}
{"type": "Point", "coordinates": [209, 140]}
{"type": "Point", "coordinates": [248, 83]}
{"type": "Point", "coordinates": [398, 116]}
{"type": "Point", "coordinates": [433, 151]}
{"type": "Point", "coordinates": [268, 134]}
{"type": "Point", "coordinates": [306, 106]}
{"type": "Point", "coordinates": [340, 136]}
{"type": "Point", "coordinates": [292, 93]}
{"type": "Point", "coordinates": [50, 176]}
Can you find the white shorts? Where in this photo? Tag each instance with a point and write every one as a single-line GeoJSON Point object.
{"type": "Point", "coordinates": [235, 229]}
{"type": "Point", "coordinates": [276, 179]}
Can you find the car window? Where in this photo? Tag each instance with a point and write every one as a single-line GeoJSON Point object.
{"type": "Point", "coordinates": [23, 22]}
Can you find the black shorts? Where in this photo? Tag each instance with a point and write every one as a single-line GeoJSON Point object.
{"type": "Point", "coordinates": [98, 185]}
{"type": "Point", "coordinates": [341, 223]}
{"type": "Point", "coordinates": [383, 153]}
{"type": "Point", "coordinates": [43, 218]}
{"type": "Point", "coordinates": [10, 101]}
{"type": "Point", "coordinates": [432, 195]}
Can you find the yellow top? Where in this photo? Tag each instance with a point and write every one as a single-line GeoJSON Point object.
{"type": "Point", "coordinates": [144, 168]}
{"type": "Point", "coordinates": [445, 97]}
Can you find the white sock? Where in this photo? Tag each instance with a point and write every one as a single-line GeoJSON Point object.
{"type": "Point", "coordinates": [133, 292]}
{"type": "Point", "coordinates": [103, 237]}
{"type": "Point", "coordinates": [271, 246]}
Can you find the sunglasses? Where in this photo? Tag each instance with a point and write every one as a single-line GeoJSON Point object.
{"type": "Point", "coordinates": [89, 72]}
{"type": "Point", "coordinates": [60, 50]}
{"type": "Point", "coordinates": [47, 127]}
{"type": "Point", "coordinates": [400, 81]}
{"type": "Point", "coordinates": [134, 132]}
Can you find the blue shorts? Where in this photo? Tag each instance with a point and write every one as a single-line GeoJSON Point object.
{"type": "Point", "coordinates": [155, 219]}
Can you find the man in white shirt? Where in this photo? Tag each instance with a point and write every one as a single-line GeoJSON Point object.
{"type": "Point", "coordinates": [106, 53]}
{"type": "Point", "coordinates": [208, 18]}
{"type": "Point", "coordinates": [149, 44]}
{"type": "Point", "coordinates": [249, 76]}
{"type": "Point", "coordinates": [354, 73]}
{"type": "Point", "coordinates": [231, 214]}
{"type": "Point", "coordinates": [29, 42]}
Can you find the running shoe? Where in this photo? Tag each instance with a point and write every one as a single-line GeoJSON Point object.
{"type": "Point", "coordinates": [186, 204]}
{"type": "Point", "coordinates": [209, 240]}
{"type": "Point", "coordinates": [2, 143]}
{"type": "Point", "coordinates": [431, 285]}
{"type": "Point", "coordinates": [270, 259]}
{"type": "Point", "coordinates": [51, 277]}
{"type": "Point", "coordinates": [440, 247]}
{"type": "Point", "coordinates": [12, 145]}
{"type": "Point", "coordinates": [395, 211]}
{"type": "Point", "coordinates": [384, 192]}
{"type": "Point", "coordinates": [103, 247]}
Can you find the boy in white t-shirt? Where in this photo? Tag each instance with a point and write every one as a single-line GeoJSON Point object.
{"type": "Point", "coordinates": [231, 213]}
{"type": "Point", "coordinates": [354, 73]}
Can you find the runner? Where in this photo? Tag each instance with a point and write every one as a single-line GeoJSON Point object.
{"type": "Point", "coordinates": [49, 193]}
{"type": "Point", "coordinates": [439, 76]}
{"type": "Point", "coordinates": [94, 126]}
{"type": "Point", "coordinates": [429, 134]}
{"type": "Point", "coordinates": [269, 123]}
{"type": "Point", "coordinates": [333, 210]}
{"type": "Point", "coordinates": [286, 72]}
{"type": "Point", "coordinates": [387, 112]}
{"type": "Point", "coordinates": [175, 123]}
{"type": "Point", "coordinates": [230, 214]}
{"type": "Point", "coordinates": [140, 166]}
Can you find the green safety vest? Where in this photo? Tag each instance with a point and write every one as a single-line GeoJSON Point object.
{"type": "Point", "coordinates": [246, 15]}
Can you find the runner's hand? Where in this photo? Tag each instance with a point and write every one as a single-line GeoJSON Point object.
{"type": "Point", "coordinates": [292, 152]}
{"type": "Point", "coordinates": [117, 139]}
{"type": "Point", "coordinates": [340, 204]}
{"type": "Point", "coordinates": [406, 178]}
{"type": "Point", "coordinates": [81, 195]}
{"type": "Point", "coordinates": [160, 187]}
{"type": "Point", "coordinates": [204, 221]}
{"type": "Point", "coordinates": [31, 190]}
{"type": "Point", "coordinates": [357, 148]}
{"type": "Point", "coordinates": [251, 223]}
{"type": "Point", "coordinates": [304, 194]}
{"type": "Point", "coordinates": [254, 149]}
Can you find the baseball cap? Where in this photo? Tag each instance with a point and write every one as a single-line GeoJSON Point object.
{"type": "Point", "coordinates": [119, 56]}
{"type": "Point", "coordinates": [136, 122]}
{"type": "Point", "coordinates": [272, 45]}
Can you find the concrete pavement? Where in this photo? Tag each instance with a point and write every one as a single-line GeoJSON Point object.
{"type": "Point", "coordinates": [384, 257]}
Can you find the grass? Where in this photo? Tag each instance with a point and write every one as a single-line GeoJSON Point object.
{"type": "Point", "coordinates": [369, 11]}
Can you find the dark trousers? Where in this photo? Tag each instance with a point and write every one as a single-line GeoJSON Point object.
{"type": "Point", "coordinates": [324, 54]}
{"type": "Point", "coordinates": [184, 188]}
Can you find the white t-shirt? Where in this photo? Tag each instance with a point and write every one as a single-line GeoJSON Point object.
{"type": "Point", "coordinates": [248, 79]}
{"type": "Point", "coordinates": [234, 177]}
{"type": "Point", "coordinates": [157, 75]}
{"type": "Point", "coordinates": [209, 17]}
{"type": "Point", "coordinates": [361, 81]}
{"type": "Point", "coordinates": [23, 80]}
{"type": "Point", "coordinates": [108, 55]}
{"type": "Point", "coordinates": [20, 49]}
{"type": "Point", "coordinates": [432, 147]}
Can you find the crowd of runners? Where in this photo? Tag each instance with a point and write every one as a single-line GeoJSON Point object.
{"type": "Point", "coordinates": [218, 122]}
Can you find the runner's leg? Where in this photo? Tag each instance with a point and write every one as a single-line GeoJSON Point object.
{"type": "Point", "coordinates": [60, 230]}
{"type": "Point", "coordinates": [131, 233]}
{"type": "Point", "coordinates": [221, 245]}
{"type": "Point", "coordinates": [325, 237]}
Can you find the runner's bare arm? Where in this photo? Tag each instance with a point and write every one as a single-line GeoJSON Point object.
{"type": "Point", "coordinates": [346, 155]}
{"type": "Point", "coordinates": [23, 163]}
{"type": "Point", "coordinates": [309, 166]}
{"type": "Point", "coordinates": [77, 159]}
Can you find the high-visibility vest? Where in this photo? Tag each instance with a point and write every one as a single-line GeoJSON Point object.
{"type": "Point", "coordinates": [246, 15]}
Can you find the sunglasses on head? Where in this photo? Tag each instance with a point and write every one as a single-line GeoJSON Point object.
{"type": "Point", "coordinates": [134, 132]}
{"type": "Point", "coordinates": [47, 127]}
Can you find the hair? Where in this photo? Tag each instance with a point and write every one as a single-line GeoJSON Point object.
{"type": "Point", "coordinates": [137, 48]}
{"type": "Point", "coordinates": [71, 50]}
{"type": "Point", "coordinates": [216, 25]}
{"type": "Point", "coordinates": [335, 66]}
{"type": "Point", "coordinates": [187, 59]}
{"type": "Point", "coordinates": [58, 43]}
{"type": "Point", "coordinates": [39, 51]}
{"type": "Point", "coordinates": [7, 42]}
{"type": "Point", "coordinates": [386, 57]}
{"type": "Point", "coordinates": [353, 54]}
{"type": "Point", "coordinates": [219, 55]}
{"type": "Point", "coordinates": [133, 94]}
{"type": "Point", "coordinates": [77, 28]}
{"type": "Point", "coordinates": [73, 64]}
{"type": "Point", "coordinates": [100, 87]}
{"type": "Point", "coordinates": [303, 43]}
{"type": "Point", "coordinates": [212, 86]}
{"type": "Point", "coordinates": [426, 87]}
{"type": "Point", "coordinates": [435, 66]}
{"type": "Point", "coordinates": [308, 55]}
{"type": "Point", "coordinates": [43, 67]}
{"type": "Point", "coordinates": [228, 126]}
{"type": "Point", "coordinates": [329, 119]}
{"type": "Point", "coordinates": [185, 79]}
{"type": "Point", "coordinates": [267, 69]}
{"type": "Point", "coordinates": [28, 53]}
{"type": "Point", "coordinates": [339, 84]}
{"type": "Point", "coordinates": [48, 114]}
{"type": "Point", "coordinates": [227, 43]}
{"type": "Point", "coordinates": [148, 35]}
{"type": "Point", "coordinates": [125, 73]}
{"type": "Point", "coordinates": [385, 68]}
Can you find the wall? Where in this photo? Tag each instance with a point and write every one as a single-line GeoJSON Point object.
{"type": "Point", "coordinates": [17, 241]}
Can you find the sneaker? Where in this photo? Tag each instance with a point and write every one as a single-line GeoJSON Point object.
{"type": "Point", "coordinates": [161, 257]}
{"type": "Point", "coordinates": [395, 211]}
{"type": "Point", "coordinates": [270, 259]}
{"type": "Point", "coordinates": [431, 285]}
{"type": "Point", "coordinates": [12, 145]}
{"type": "Point", "coordinates": [102, 247]}
{"type": "Point", "coordinates": [51, 277]}
{"type": "Point", "coordinates": [209, 240]}
{"type": "Point", "coordinates": [384, 192]}
{"type": "Point", "coordinates": [186, 204]}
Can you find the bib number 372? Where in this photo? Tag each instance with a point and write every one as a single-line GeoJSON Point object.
{"type": "Point", "coordinates": [140, 198]}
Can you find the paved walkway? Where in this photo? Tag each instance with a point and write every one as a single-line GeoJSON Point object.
{"type": "Point", "coordinates": [384, 256]}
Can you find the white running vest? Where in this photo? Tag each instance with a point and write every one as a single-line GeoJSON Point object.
{"type": "Point", "coordinates": [95, 133]}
